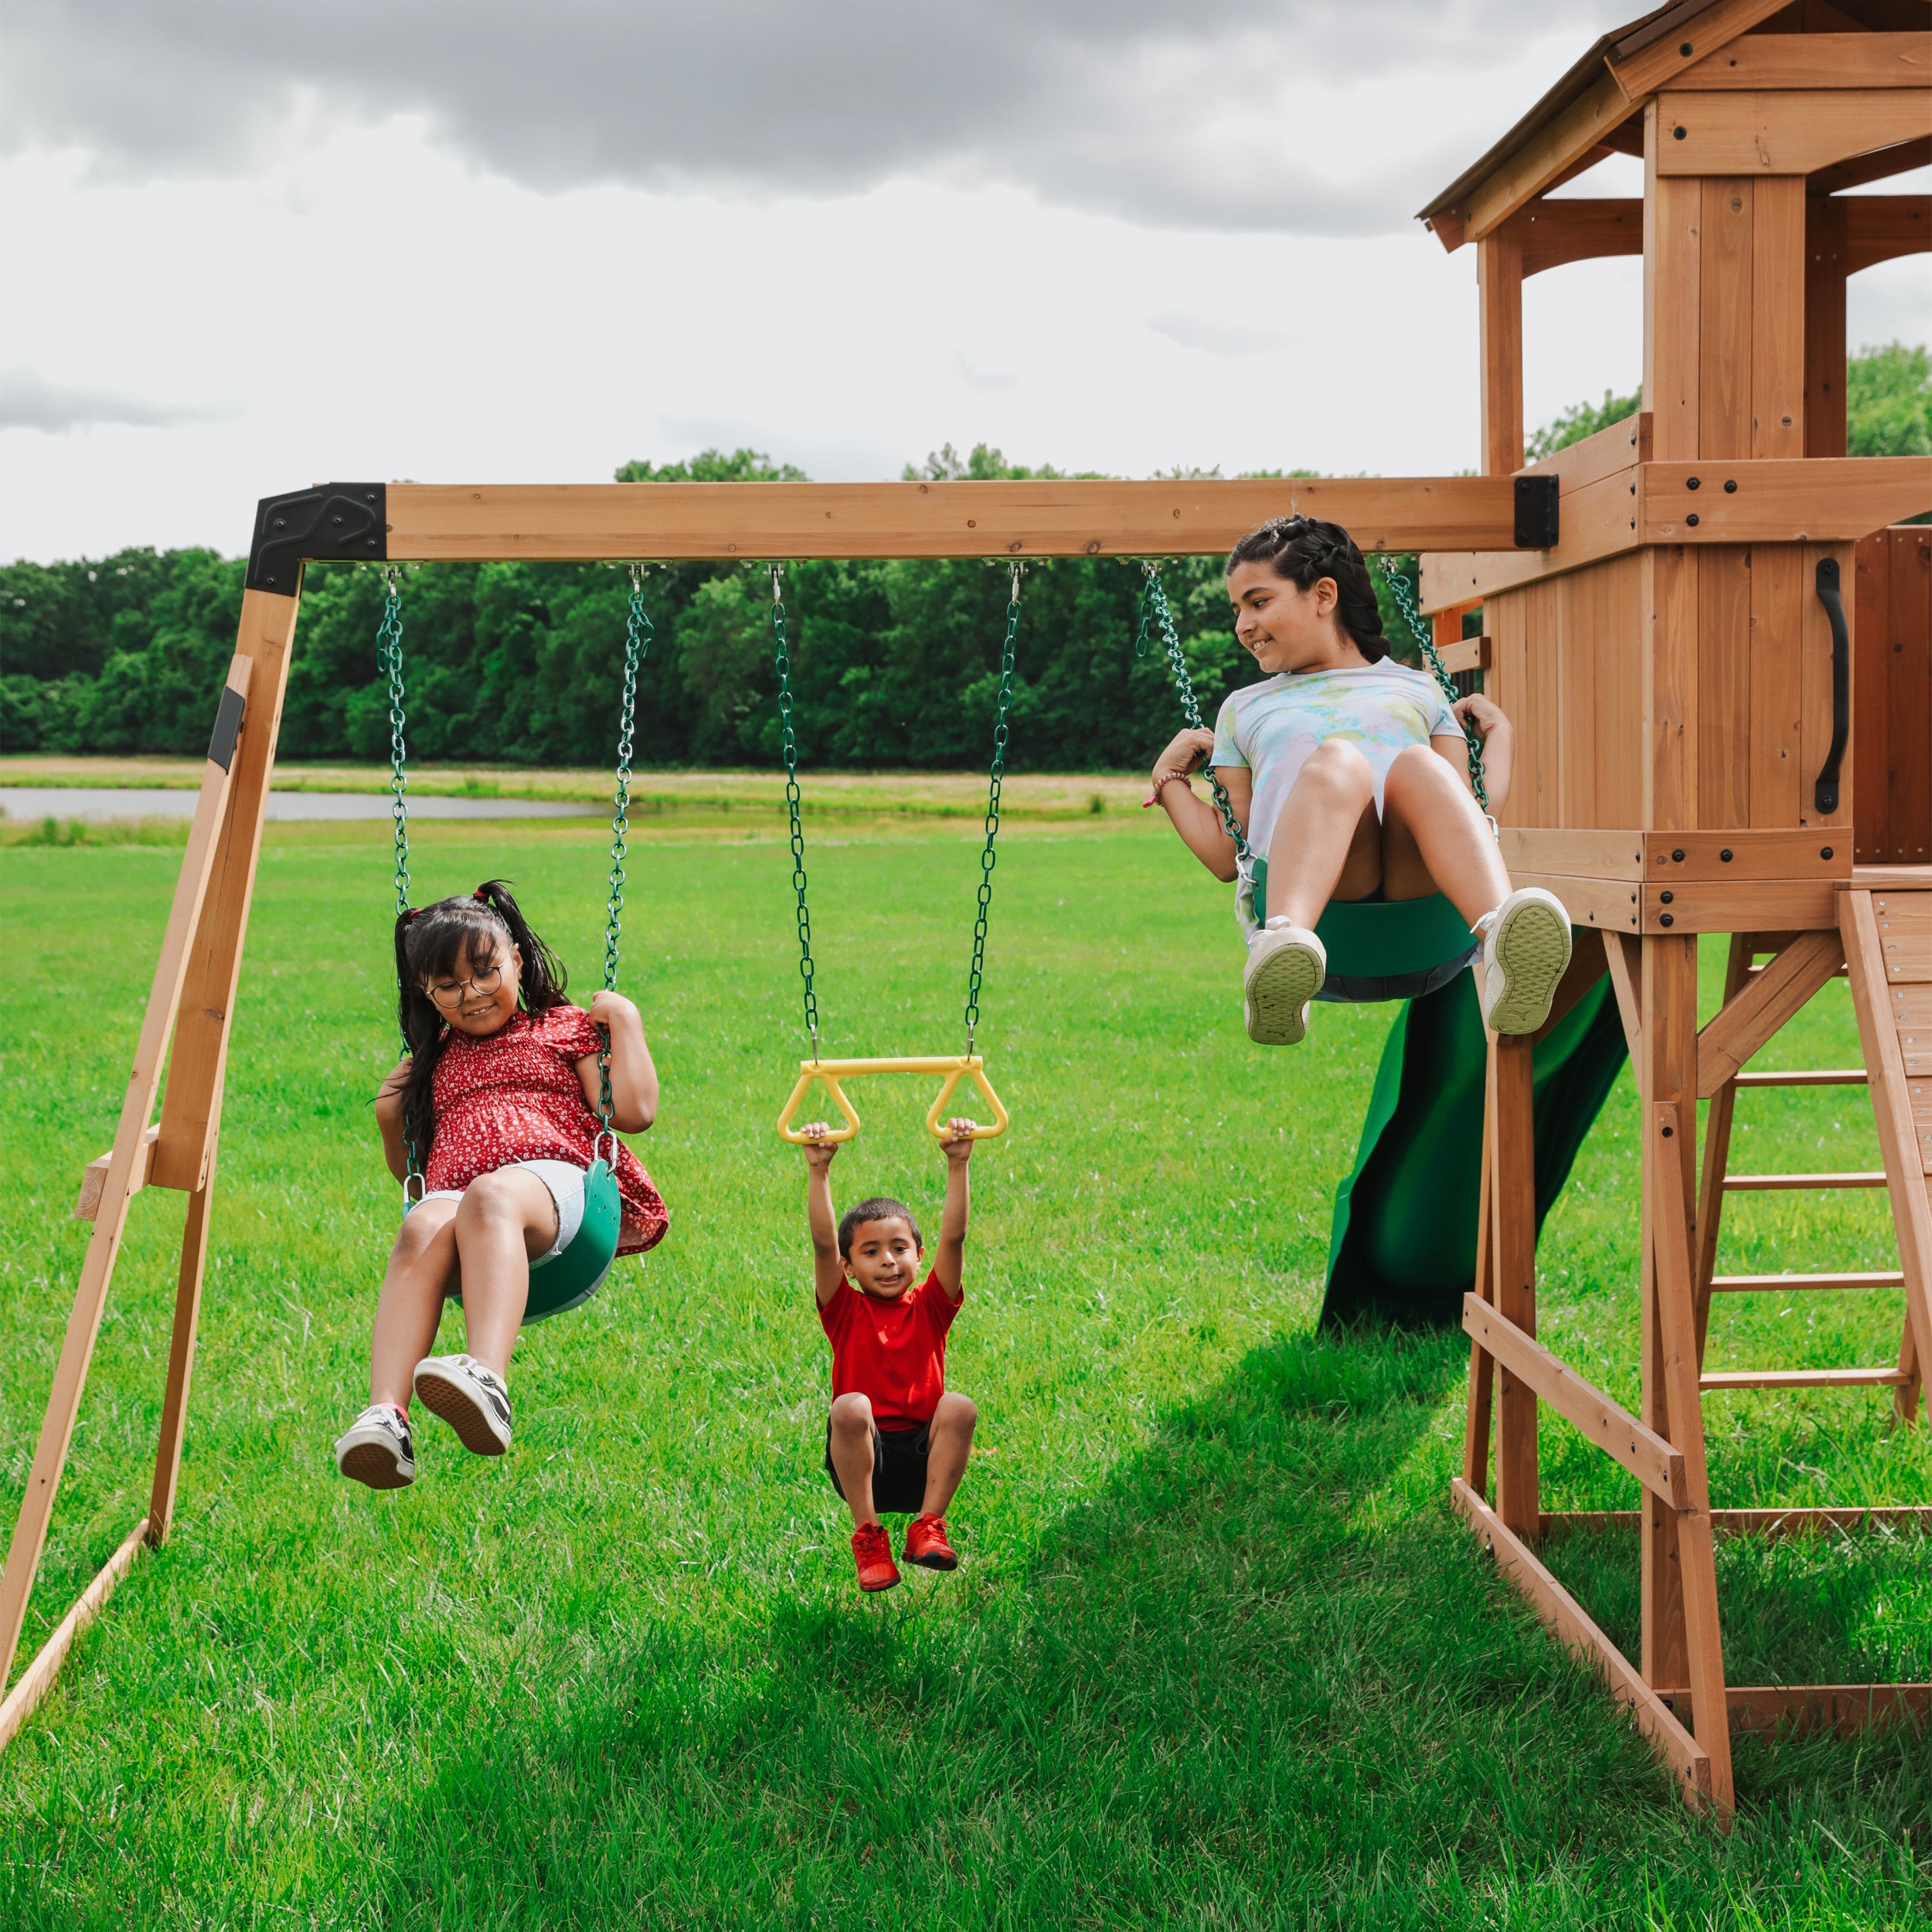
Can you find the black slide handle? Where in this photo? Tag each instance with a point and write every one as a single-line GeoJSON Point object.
{"type": "Point", "coordinates": [1825, 796]}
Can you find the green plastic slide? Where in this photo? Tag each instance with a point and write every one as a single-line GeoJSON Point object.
{"type": "Point", "coordinates": [1403, 1244]}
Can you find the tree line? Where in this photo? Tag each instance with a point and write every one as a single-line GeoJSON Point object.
{"type": "Point", "coordinates": [894, 664]}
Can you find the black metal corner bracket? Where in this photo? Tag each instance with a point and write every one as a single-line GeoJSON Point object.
{"type": "Point", "coordinates": [1538, 519]}
{"type": "Point", "coordinates": [1825, 795]}
{"type": "Point", "coordinates": [341, 523]}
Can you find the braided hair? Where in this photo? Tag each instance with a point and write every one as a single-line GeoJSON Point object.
{"type": "Point", "coordinates": [464, 934]}
{"type": "Point", "coordinates": [1305, 550]}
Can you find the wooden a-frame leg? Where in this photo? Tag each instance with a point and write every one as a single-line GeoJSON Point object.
{"type": "Point", "coordinates": [1717, 1151]}
{"type": "Point", "coordinates": [110, 1220]}
{"type": "Point", "coordinates": [1703, 1636]}
{"type": "Point", "coordinates": [1513, 1241]}
{"type": "Point", "coordinates": [1482, 1367]}
{"type": "Point", "coordinates": [1668, 1036]}
{"type": "Point", "coordinates": [181, 1360]}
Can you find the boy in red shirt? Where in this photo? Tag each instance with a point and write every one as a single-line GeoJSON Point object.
{"type": "Point", "coordinates": [898, 1438]}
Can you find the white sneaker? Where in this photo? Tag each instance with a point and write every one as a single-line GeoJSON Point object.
{"type": "Point", "coordinates": [1525, 949]}
{"type": "Point", "coordinates": [470, 1398]}
{"type": "Point", "coordinates": [377, 1449]}
{"type": "Point", "coordinates": [1286, 967]}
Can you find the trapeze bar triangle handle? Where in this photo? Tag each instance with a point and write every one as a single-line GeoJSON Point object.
{"type": "Point", "coordinates": [954, 1067]}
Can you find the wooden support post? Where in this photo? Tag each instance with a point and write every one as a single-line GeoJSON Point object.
{"type": "Point", "coordinates": [1499, 282]}
{"type": "Point", "coordinates": [1717, 1151]}
{"type": "Point", "coordinates": [1513, 1234]}
{"type": "Point", "coordinates": [1669, 1079]}
{"type": "Point", "coordinates": [83, 1324]}
{"type": "Point", "coordinates": [181, 1360]}
{"type": "Point", "coordinates": [1683, 1404]}
{"type": "Point", "coordinates": [1482, 1367]}
{"type": "Point", "coordinates": [1826, 265]}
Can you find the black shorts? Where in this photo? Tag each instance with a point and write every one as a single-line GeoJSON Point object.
{"type": "Point", "coordinates": [898, 1467]}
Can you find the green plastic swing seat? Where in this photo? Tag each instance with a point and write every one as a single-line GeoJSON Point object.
{"type": "Point", "coordinates": [568, 1279]}
{"type": "Point", "coordinates": [1384, 948]}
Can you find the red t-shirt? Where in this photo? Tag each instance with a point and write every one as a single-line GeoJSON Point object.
{"type": "Point", "coordinates": [514, 1096]}
{"type": "Point", "coordinates": [894, 1352]}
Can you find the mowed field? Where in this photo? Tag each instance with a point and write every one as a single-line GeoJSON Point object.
{"type": "Point", "coordinates": [1217, 1655]}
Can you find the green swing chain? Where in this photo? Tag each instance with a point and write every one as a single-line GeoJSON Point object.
{"type": "Point", "coordinates": [389, 654]}
{"type": "Point", "coordinates": [1399, 585]}
{"type": "Point", "coordinates": [976, 975]}
{"type": "Point", "coordinates": [781, 658]}
{"type": "Point", "coordinates": [1154, 602]}
{"type": "Point", "coordinates": [637, 634]}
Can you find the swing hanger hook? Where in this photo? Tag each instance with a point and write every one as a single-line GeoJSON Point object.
{"type": "Point", "coordinates": [1020, 571]}
{"type": "Point", "coordinates": [777, 572]}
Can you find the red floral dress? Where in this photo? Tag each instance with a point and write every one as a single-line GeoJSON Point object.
{"type": "Point", "coordinates": [514, 1096]}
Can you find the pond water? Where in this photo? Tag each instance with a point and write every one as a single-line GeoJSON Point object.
{"type": "Point", "coordinates": [88, 801]}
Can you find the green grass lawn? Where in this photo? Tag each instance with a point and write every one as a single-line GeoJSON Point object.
{"type": "Point", "coordinates": [1218, 1654]}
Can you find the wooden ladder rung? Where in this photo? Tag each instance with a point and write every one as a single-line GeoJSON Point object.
{"type": "Point", "coordinates": [1772, 1284]}
{"type": "Point", "coordinates": [1805, 1379]}
{"type": "Point", "coordinates": [1734, 1182]}
{"type": "Point", "coordinates": [1810, 1077]}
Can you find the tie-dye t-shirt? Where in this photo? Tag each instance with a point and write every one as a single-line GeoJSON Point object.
{"type": "Point", "coordinates": [1272, 727]}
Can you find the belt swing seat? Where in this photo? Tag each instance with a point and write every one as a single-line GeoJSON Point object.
{"type": "Point", "coordinates": [831, 1074]}
{"type": "Point", "coordinates": [569, 1277]}
{"type": "Point", "coordinates": [1378, 949]}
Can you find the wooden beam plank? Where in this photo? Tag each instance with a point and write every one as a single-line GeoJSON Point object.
{"type": "Point", "coordinates": [1785, 133]}
{"type": "Point", "coordinates": [1800, 1710]}
{"type": "Point", "coordinates": [741, 521]}
{"type": "Point", "coordinates": [1800, 1284]}
{"type": "Point", "coordinates": [1467, 653]}
{"type": "Point", "coordinates": [1821, 499]}
{"type": "Point", "coordinates": [1805, 61]}
{"type": "Point", "coordinates": [83, 1324]}
{"type": "Point", "coordinates": [1717, 1151]}
{"type": "Point", "coordinates": [1610, 452]}
{"type": "Point", "coordinates": [1803, 1378]}
{"type": "Point", "coordinates": [181, 1360]}
{"type": "Point", "coordinates": [1879, 227]}
{"type": "Point", "coordinates": [1910, 1517]}
{"type": "Point", "coordinates": [1769, 1000]}
{"type": "Point", "coordinates": [1777, 319]}
{"type": "Point", "coordinates": [1512, 1232]}
{"type": "Point", "coordinates": [1565, 1620]}
{"type": "Point", "coordinates": [1703, 1634]}
{"type": "Point", "coordinates": [38, 1674]}
{"type": "Point", "coordinates": [1734, 853]}
{"type": "Point", "coordinates": [1673, 297]}
{"type": "Point", "coordinates": [1668, 45]}
{"type": "Point", "coordinates": [1625, 958]}
{"type": "Point", "coordinates": [1599, 520]}
{"type": "Point", "coordinates": [94, 1176]}
{"type": "Point", "coordinates": [1551, 234]}
{"type": "Point", "coordinates": [1827, 263]}
{"type": "Point", "coordinates": [1879, 165]}
{"type": "Point", "coordinates": [1583, 125]}
{"type": "Point", "coordinates": [1653, 1461]}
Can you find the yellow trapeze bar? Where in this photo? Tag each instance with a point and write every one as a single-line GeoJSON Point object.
{"type": "Point", "coordinates": [955, 1066]}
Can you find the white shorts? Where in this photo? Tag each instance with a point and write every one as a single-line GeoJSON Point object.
{"type": "Point", "coordinates": [565, 1184]}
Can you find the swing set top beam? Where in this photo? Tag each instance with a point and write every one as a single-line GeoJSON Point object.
{"type": "Point", "coordinates": [723, 522]}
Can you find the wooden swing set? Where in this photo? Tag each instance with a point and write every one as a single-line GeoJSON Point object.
{"type": "Point", "coordinates": [1659, 627]}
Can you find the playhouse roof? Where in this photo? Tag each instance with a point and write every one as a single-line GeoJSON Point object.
{"type": "Point", "coordinates": [1622, 44]}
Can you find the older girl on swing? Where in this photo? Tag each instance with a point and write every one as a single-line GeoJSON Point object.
{"type": "Point", "coordinates": [1348, 772]}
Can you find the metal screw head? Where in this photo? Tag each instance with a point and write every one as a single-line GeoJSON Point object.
{"type": "Point", "coordinates": [1666, 919]}
{"type": "Point", "coordinates": [1677, 856]}
{"type": "Point", "coordinates": [1668, 897]}
{"type": "Point", "coordinates": [1685, 49]}
{"type": "Point", "coordinates": [1824, 852]}
{"type": "Point", "coordinates": [1668, 1131]}
{"type": "Point", "coordinates": [1692, 519]}
{"type": "Point", "coordinates": [1730, 487]}
{"type": "Point", "coordinates": [1677, 134]}
{"type": "Point", "coordinates": [1726, 855]}
{"type": "Point", "coordinates": [1693, 483]}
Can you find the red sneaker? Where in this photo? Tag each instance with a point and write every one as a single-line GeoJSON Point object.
{"type": "Point", "coordinates": [925, 1544]}
{"type": "Point", "coordinates": [872, 1550]}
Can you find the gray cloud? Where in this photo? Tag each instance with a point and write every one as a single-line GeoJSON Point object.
{"type": "Point", "coordinates": [1143, 108]}
{"type": "Point", "coordinates": [28, 401]}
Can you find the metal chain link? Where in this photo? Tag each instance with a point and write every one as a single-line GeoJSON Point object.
{"type": "Point", "coordinates": [976, 975]}
{"type": "Point", "coordinates": [637, 634]}
{"type": "Point", "coordinates": [782, 659]}
{"type": "Point", "coordinates": [389, 652]}
{"type": "Point", "coordinates": [1398, 584]}
{"type": "Point", "coordinates": [1154, 602]}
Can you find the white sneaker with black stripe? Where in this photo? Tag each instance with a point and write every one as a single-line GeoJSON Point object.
{"type": "Point", "coordinates": [1525, 952]}
{"type": "Point", "coordinates": [470, 1398]}
{"type": "Point", "coordinates": [377, 1449]}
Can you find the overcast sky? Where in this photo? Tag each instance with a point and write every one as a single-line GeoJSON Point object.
{"type": "Point", "coordinates": [250, 246]}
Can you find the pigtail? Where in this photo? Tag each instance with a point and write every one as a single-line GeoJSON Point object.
{"type": "Point", "coordinates": [423, 1034]}
{"type": "Point", "coordinates": [544, 978]}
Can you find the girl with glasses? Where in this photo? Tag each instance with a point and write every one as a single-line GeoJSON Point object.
{"type": "Point", "coordinates": [498, 1096]}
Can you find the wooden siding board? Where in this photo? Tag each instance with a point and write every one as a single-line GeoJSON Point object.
{"type": "Point", "coordinates": [1777, 318]}
{"type": "Point", "coordinates": [1908, 659]}
{"type": "Point", "coordinates": [1724, 687]}
{"type": "Point", "coordinates": [1777, 591]}
{"type": "Point", "coordinates": [1871, 709]}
